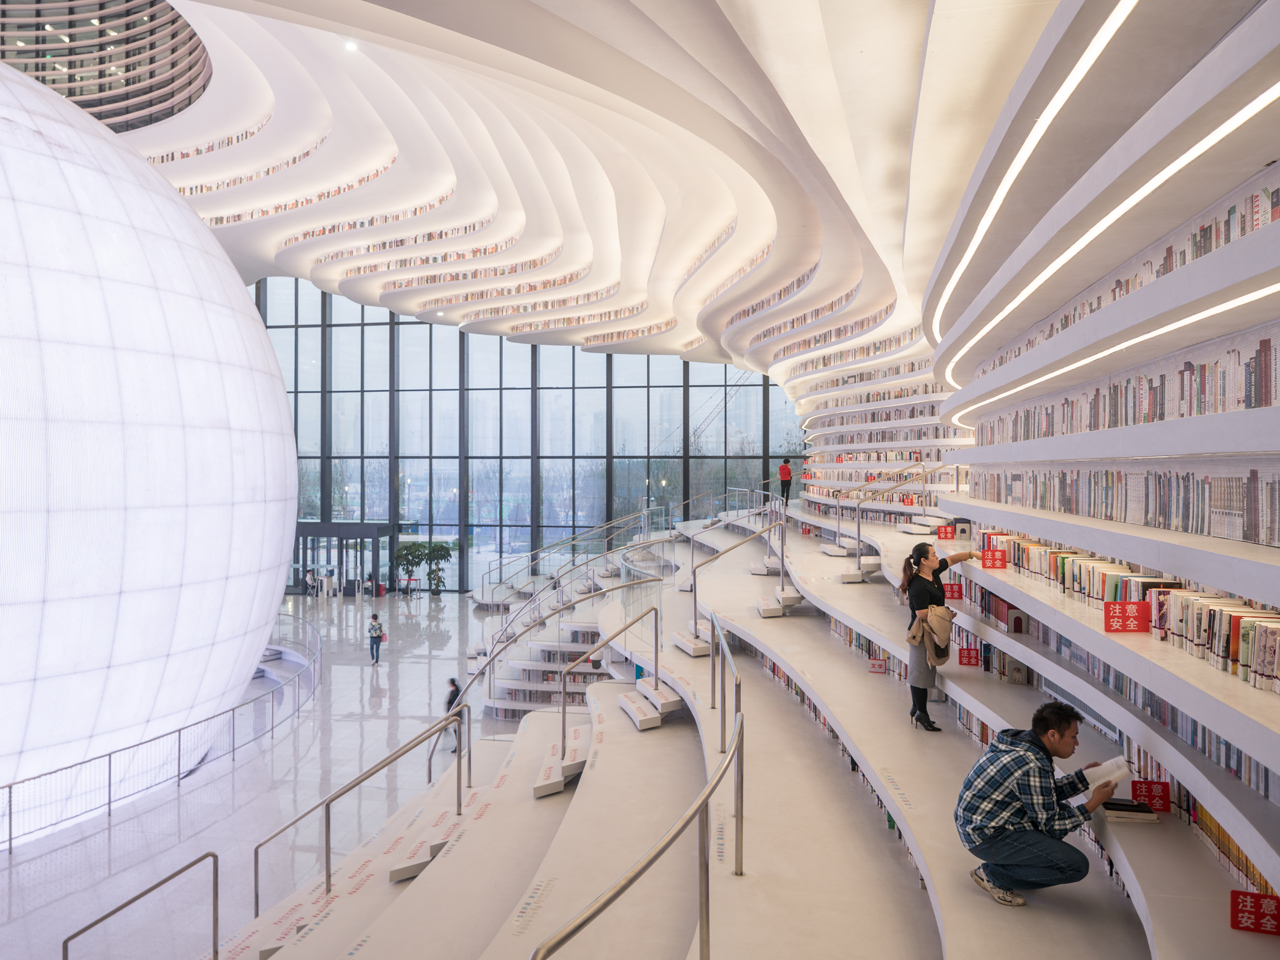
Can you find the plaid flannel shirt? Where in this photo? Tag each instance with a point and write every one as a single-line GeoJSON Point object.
{"type": "Point", "coordinates": [1012, 787]}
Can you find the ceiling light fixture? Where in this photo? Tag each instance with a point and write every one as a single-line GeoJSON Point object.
{"type": "Point", "coordinates": [1235, 122]}
{"type": "Point", "coordinates": [1038, 130]}
{"type": "Point", "coordinates": [351, 44]}
{"type": "Point", "coordinates": [1158, 332]}
{"type": "Point", "coordinates": [439, 313]}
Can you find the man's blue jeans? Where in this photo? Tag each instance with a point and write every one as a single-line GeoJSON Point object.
{"type": "Point", "coordinates": [1029, 859]}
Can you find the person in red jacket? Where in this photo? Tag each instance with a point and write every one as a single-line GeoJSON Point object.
{"type": "Point", "coordinates": [784, 476]}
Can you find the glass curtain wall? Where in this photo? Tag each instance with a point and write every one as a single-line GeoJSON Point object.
{"type": "Point", "coordinates": [415, 431]}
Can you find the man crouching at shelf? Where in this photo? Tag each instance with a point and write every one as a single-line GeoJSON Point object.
{"type": "Point", "coordinates": [1013, 814]}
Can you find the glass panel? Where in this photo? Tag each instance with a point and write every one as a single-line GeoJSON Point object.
{"type": "Point", "coordinates": [376, 490]}
{"type": "Point", "coordinates": [630, 370]}
{"type": "Point", "coordinates": [279, 301]}
{"type": "Point", "coordinates": [415, 424]}
{"type": "Point", "coordinates": [555, 415]}
{"type": "Point", "coordinates": [377, 358]}
{"type": "Point", "coordinates": [555, 366]}
{"type": "Point", "coordinates": [706, 476]}
{"type": "Point", "coordinates": [444, 357]}
{"type": "Point", "coordinates": [344, 424]}
{"type": "Point", "coordinates": [344, 359]}
{"type": "Point", "coordinates": [517, 359]}
{"type": "Point", "coordinates": [282, 340]}
{"type": "Point", "coordinates": [415, 491]}
{"type": "Point", "coordinates": [309, 358]}
{"type": "Point", "coordinates": [516, 499]}
{"type": "Point", "coordinates": [707, 374]}
{"type": "Point", "coordinates": [482, 361]}
{"type": "Point", "coordinates": [444, 492]}
{"type": "Point", "coordinates": [516, 428]}
{"type": "Point", "coordinates": [630, 423]}
{"type": "Point", "coordinates": [589, 502]}
{"type": "Point", "coordinates": [744, 473]}
{"type": "Point", "coordinates": [665, 369]}
{"type": "Point", "coordinates": [308, 489]}
{"type": "Point", "coordinates": [345, 479]}
{"type": "Point", "coordinates": [589, 422]}
{"type": "Point", "coordinates": [344, 310]}
{"type": "Point", "coordinates": [556, 477]}
{"type": "Point", "coordinates": [744, 420]}
{"type": "Point", "coordinates": [309, 425]}
{"type": "Point", "coordinates": [483, 479]}
{"type": "Point", "coordinates": [666, 421]}
{"type": "Point", "coordinates": [482, 423]}
{"type": "Point", "coordinates": [515, 540]}
{"type": "Point", "coordinates": [629, 487]}
{"type": "Point", "coordinates": [785, 435]}
{"type": "Point", "coordinates": [588, 368]}
{"type": "Point", "coordinates": [310, 303]}
{"type": "Point", "coordinates": [666, 480]}
{"type": "Point", "coordinates": [413, 356]}
{"type": "Point", "coordinates": [376, 425]}
{"type": "Point", "coordinates": [706, 421]}
{"type": "Point", "coordinates": [444, 423]}
{"type": "Point", "coordinates": [482, 551]}
{"type": "Point", "coordinates": [377, 315]}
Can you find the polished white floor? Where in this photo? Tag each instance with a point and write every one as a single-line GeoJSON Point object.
{"type": "Point", "coordinates": [52, 886]}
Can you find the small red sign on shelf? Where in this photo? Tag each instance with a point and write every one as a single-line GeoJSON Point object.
{"type": "Point", "coordinates": [878, 666]}
{"type": "Point", "coordinates": [970, 657]}
{"type": "Point", "coordinates": [908, 500]}
{"type": "Point", "coordinates": [1127, 616]}
{"type": "Point", "coordinates": [946, 533]}
{"type": "Point", "coordinates": [993, 560]}
{"type": "Point", "coordinates": [953, 591]}
{"type": "Point", "coordinates": [1154, 793]}
{"type": "Point", "coordinates": [1255, 912]}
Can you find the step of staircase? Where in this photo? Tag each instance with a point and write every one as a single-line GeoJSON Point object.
{"type": "Point", "coordinates": [443, 826]}
{"type": "Point", "coordinates": [636, 706]}
{"type": "Point", "coordinates": [556, 770]}
{"type": "Point", "coordinates": [788, 596]}
{"type": "Point", "coordinates": [687, 643]}
{"type": "Point", "coordinates": [835, 550]}
{"type": "Point", "coordinates": [295, 926]}
{"type": "Point", "coordinates": [760, 570]}
{"type": "Point", "coordinates": [916, 529]}
{"type": "Point", "coordinates": [768, 607]}
{"type": "Point", "coordinates": [459, 903]}
{"type": "Point", "coordinates": [661, 696]}
{"type": "Point", "coordinates": [703, 628]}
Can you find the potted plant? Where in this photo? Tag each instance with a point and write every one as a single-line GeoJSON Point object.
{"type": "Point", "coordinates": [410, 556]}
{"type": "Point", "coordinates": [438, 554]}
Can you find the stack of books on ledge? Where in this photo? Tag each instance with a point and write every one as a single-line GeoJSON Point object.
{"type": "Point", "coordinates": [1118, 810]}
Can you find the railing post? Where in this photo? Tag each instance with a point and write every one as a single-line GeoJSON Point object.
{"type": "Point", "coordinates": [233, 734]}
{"type": "Point", "coordinates": [109, 756]}
{"type": "Point", "coordinates": [737, 806]}
{"type": "Point", "coordinates": [704, 884]}
{"type": "Point", "coordinates": [179, 756]}
{"type": "Point", "coordinates": [328, 870]}
{"type": "Point", "coordinates": [10, 818]}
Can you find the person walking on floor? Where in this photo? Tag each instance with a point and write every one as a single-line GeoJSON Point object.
{"type": "Point", "coordinates": [375, 638]}
{"type": "Point", "coordinates": [784, 479]}
{"type": "Point", "coordinates": [453, 698]}
{"type": "Point", "coordinates": [922, 583]}
{"type": "Point", "coordinates": [1012, 814]}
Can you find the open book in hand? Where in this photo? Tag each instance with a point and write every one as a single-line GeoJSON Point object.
{"type": "Point", "coordinates": [1116, 770]}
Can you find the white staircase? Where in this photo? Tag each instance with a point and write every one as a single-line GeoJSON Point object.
{"type": "Point", "coordinates": [686, 642]}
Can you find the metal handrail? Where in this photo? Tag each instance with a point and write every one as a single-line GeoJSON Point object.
{"type": "Point", "coordinates": [415, 742]}
{"type": "Point", "coordinates": [66, 944]}
{"type": "Point", "coordinates": [703, 563]}
{"type": "Point", "coordinates": [453, 717]}
{"type": "Point", "coordinates": [592, 534]}
{"type": "Point", "coordinates": [458, 707]}
{"type": "Point", "coordinates": [314, 663]}
{"type": "Point", "coordinates": [698, 808]}
{"type": "Point", "coordinates": [726, 656]}
{"type": "Point", "coordinates": [849, 493]}
{"type": "Point", "coordinates": [857, 513]}
{"type": "Point", "coordinates": [564, 705]}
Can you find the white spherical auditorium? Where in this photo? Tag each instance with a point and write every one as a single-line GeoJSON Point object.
{"type": "Point", "coordinates": [147, 460]}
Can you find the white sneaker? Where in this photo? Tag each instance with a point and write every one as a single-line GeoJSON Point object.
{"type": "Point", "coordinates": [1010, 898]}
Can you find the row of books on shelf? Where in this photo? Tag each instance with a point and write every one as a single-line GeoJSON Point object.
{"type": "Point", "coordinates": [522, 695]}
{"type": "Point", "coordinates": [879, 415]}
{"type": "Point", "coordinates": [575, 678]}
{"type": "Point", "coordinates": [869, 514]}
{"type": "Point", "coordinates": [1238, 372]}
{"type": "Point", "coordinates": [850, 354]}
{"type": "Point", "coordinates": [926, 388]}
{"type": "Point", "coordinates": [1238, 503]}
{"type": "Point", "coordinates": [1249, 207]}
{"type": "Point", "coordinates": [1232, 634]}
{"type": "Point", "coordinates": [916, 499]}
{"type": "Point", "coordinates": [835, 333]}
{"type": "Point", "coordinates": [923, 365]}
{"type": "Point", "coordinates": [905, 434]}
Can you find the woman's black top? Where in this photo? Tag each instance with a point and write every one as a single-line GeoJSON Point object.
{"type": "Point", "coordinates": [923, 593]}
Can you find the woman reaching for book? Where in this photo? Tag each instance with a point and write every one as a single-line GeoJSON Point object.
{"type": "Point", "coordinates": [922, 583]}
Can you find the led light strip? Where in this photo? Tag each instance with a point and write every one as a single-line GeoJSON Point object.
{"type": "Point", "coordinates": [1161, 331]}
{"type": "Point", "coordinates": [1238, 120]}
{"type": "Point", "coordinates": [1041, 127]}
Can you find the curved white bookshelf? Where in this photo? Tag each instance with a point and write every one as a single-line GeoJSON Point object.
{"type": "Point", "coordinates": [1247, 569]}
